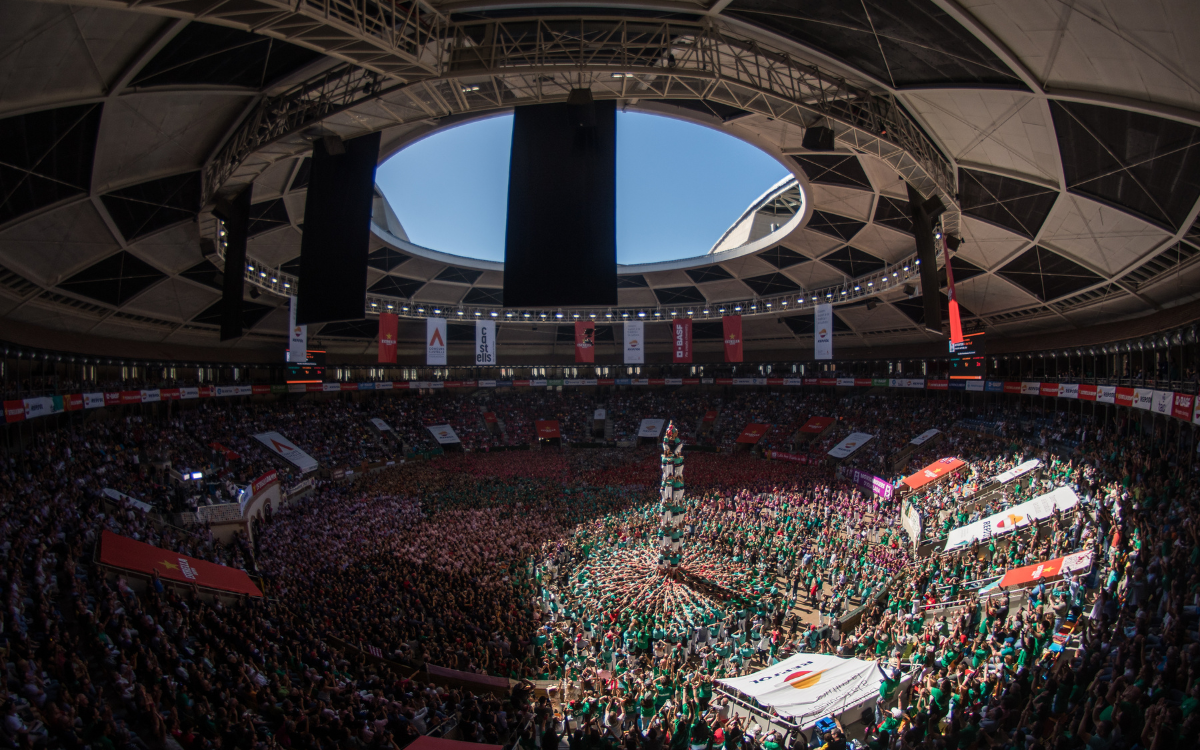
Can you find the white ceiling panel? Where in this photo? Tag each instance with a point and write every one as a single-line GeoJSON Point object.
{"type": "Point", "coordinates": [987, 245]}
{"type": "Point", "coordinates": [843, 201]}
{"type": "Point", "coordinates": [986, 294]}
{"type": "Point", "coordinates": [172, 299]}
{"type": "Point", "coordinates": [884, 242]}
{"type": "Point", "coordinates": [173, 250]}
{"type": "Point", "coordinates": [1097, 236]}
{"type": "Point", "coordinates": [54, 245]}
{"type": "Point", "coordinates": [276, 246]}
{"type": "Point", "coordinates": [1008, 130]}
{"type": "Point", "coordinates": [143, 136]}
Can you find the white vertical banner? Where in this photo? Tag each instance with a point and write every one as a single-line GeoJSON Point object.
{"type": "Point", "coordinates": [485, 342]}
{"type": "Point", "coordinates": [635, 342]}
{"type": "Point", "coordinates": [297, 335]}
{"type": "Point", "coordinates": [823, 332]}
{"type": "Point", "coordinates": [435, 341]}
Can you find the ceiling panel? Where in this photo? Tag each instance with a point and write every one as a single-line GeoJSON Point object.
{"type": "Point", "coordinates": [636, 298]}
{"type": "Point", "coordinates": [173, 299]}
{"type": "Point", "coordinates": [834, 169]}
{"type": "Point", "coordinates": [173, 250]}
{"type": "Point", "coordinates": [883, 177]}
{"type": "Point", "coordinates": [55, 53]}
{"type": "Point", "coordinates": [1099, 236]}
{"type": "Point", "coordinates": [998, 128]}
{"type": "Point", "coordinates": [725, 291]}
{"type": "Point", "coordinates": [842, 201]}
{"type": "Point", "coordinates": [53, 245]}
{"type": "Point", "coordinates": [810, 244]}
{"type": "Point", "coordinates": [143, 136]}
{"type": "Point", "coordinates": [139, 210]}
{"type": "Point", "coordinates": [885, 243]}
{"type": "Point", "coordinates": [1141, 50]}
{"type": "Point", "coordinates": [1046, 274]}
{"type": "Point", "coordinates": [668, 278]}
{"type": "Point", "coordinates": [839, 227]}
{"type": "Point", "coordinates": [446, 294]}
{"type": "Point", "coordinates": [881, 318]}
{"type": "Point", "coordinates": [815, 275]}
{"type": "Point", "coordinates": [221, 56]}
{"type": "Point", "coordinates": [275, 247]}
{"type": "Point", "coordinates": [114, 280]}
{"type": "Point", "coordinates": [899, 42]}
{"type": "Point", "coordinates": [1005, 201]}
{"type": "Point", "coordinates": [1147, 165]}
{"type": "Point", "coordinates": [987, 245]}
{"type": "Point", "coordinates": [46, 157]}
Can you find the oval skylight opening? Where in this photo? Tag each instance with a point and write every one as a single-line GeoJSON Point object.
{"type": "Point", "coordinates": [680, 187]}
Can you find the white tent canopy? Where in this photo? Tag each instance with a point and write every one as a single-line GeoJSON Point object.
{"type": "Point", "coordinates": [809, 687]}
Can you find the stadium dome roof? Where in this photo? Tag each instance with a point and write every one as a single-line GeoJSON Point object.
{"type": "Point", "coordinates": [1066, 138]}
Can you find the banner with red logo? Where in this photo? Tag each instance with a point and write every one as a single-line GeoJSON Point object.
{"type": "Point", "coordinates": [823, 332]}
{"type": "Point", "coordinates": [263, 482]}
{"type": "Point", "coordinates": [286, 449]}
{"type": "Point", "coordinates": [1080, 561]}
{"type": "Point", "coordinates": [732, 326]}
{"type": "Point", "coordinates": [1124, 396]}
{"type": "Point", "coordinates": [1181, 407]}
{"type": "Point", "coordinates": [388, 326]}
{"type": "Point", "coordinates": [933, 471]}
{"type": "Point", "coordinates": [131, 397]}
{"type": "Point", "coordinates": [710, 416]}
{"type": "Point", "coordinates": [817, 425]}
{"type": "Point", "coordinates": [1016, 517]}
{"type": "Point", "coordinates": [1048, 389]}
{"type": "Point", "coordinates": [123, 552]}
{"type": "Point", "coordinates": [547, 429]}
{"type": "Point", "coordinates": [73, 402]}
{"type": "Point", "coordinates": [585, 342]}
{"type": "Point", "coordinates": [753, 432]}
{"type": "Point", "coordinates": [489, 417]}
{"type": "Point", "coordinates": [937, 385]}
{"type": "Point", "coordinates": [681, 340]}
{"type": "Point", "coordinates": [14, 411]}
{"type": "Point", "coordinates": [1088, 392]}
{"type": "Point", "coordinates": [1012, 387]}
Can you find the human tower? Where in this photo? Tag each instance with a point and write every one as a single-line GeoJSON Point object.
{"type": "Point", "coordinates": [670, 533]}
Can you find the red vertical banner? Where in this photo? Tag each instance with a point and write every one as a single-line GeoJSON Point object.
{"type": "Point", "coordinates": [732, 325]}
{"type": "Point", "coordinates": [585, 341]}
{"type": "Point", "coordinates": [956, 334]}
{"type": "Point", "coordinates": [388, 323]}
{"type": "Point", "coordinates": [681, 339]}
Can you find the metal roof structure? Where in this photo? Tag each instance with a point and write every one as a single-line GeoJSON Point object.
{"type": "Point", "coordinates": [1065, 138]}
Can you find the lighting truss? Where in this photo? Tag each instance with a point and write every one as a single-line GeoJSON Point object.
{"type": "Point", "coordinates": [478, 66]}
{"type": "Point", "coordinates": [281, 283]}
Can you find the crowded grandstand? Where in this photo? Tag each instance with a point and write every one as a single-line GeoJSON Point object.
{"type": "Point", "coordinates": [655, 375]}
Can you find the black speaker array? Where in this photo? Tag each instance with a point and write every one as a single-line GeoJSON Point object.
{"type": "Point", "coordinates": [235, 215]}
{"type": "Point", "coordinates": [561, 238]}
{"type": "Point", "coordinates": [337, 230]}
{"type": "Point", "coordinates": [924, 214]}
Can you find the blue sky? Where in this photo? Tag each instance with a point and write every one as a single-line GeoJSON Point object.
{"type": "Point", "coordinates": [679, 186]}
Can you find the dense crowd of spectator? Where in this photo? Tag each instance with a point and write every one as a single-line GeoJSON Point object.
{"type": "Point", "coordinates": [526, 564]}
